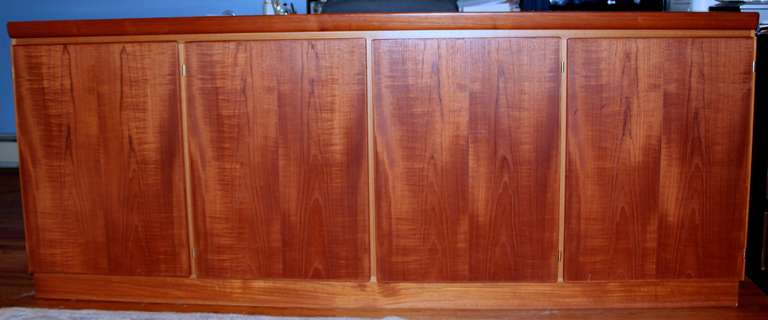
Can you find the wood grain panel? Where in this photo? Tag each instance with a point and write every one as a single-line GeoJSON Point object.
{"type": "Point", "coordinates": [101, 159]}
{"type": "Point", "coordinates": [705, 160]}
{"type": "Point", "coordinates": [612, 167]}
{"type": "Point", "coordinates": [278, 156]}
{"type": "Point", "coordinates": [657, 150]}
{"type": "Point", "coordinates": [466, 159]}
{"type": "Point", "coordinates": [391, 296]}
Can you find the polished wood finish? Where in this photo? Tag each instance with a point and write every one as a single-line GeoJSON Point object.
{"type": "Point", "coordinates": [16, 290]}
{"type": "Point", "coordinates": [657, 158]}
{"type": "Point", "coordinates": [337, 169]}
{"type": "Point", "coordinates": [753, 305]}
{"type": "Point", "coordinates": [101, 166]}
{"type": "Point", "coordinates": [401, 34]}
{"type": "Point", "coordinates": [277, 139]}
{"type": "Point", "coordinates": [467, 159]}
{"type": "Point", "coordinates": [187, 170]}
{"type": "Point", "coordinates": [391, 21]}
{"type": "Point", "coordinates": [322, 294]}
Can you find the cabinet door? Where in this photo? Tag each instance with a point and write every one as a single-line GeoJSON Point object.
{"type": "Point", "coordinates": [101, 160]}
{"type": "Point", "coordinates": [278, 152]}
{"type": "Point", "coordinates": [467, 159]}
{"type": "Point", "coordinates": [657, 158]}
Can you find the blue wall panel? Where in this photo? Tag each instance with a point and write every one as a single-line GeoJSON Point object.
{"type": "Point", "coordinates": [25, 10]}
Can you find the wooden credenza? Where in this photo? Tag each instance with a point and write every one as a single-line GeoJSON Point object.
{"type": "Point", "coordinates": [545, 160]}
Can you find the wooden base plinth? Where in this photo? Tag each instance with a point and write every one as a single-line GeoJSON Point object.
{"type": "Point", "coordinates": [334, 294]}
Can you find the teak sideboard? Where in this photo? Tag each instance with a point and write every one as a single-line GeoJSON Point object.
{"type": "Point", "coordinates": [525, 160]}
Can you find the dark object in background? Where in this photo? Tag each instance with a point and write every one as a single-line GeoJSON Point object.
{"type": "Point", "coordinates": [756, 256]}
{"type": "Point", "coordinates": [534, 5]}
{"type": "Point", "coordinates": [370, 6]}
{"type": "Point", "coordinates": [757, 231]}
{"type": "Point", "coordinates": [604, 5]}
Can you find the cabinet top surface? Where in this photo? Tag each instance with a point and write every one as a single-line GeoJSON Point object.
{"type": "Point", "coordinates": [398, 21]}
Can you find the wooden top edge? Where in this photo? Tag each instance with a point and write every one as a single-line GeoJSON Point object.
{"type": "Point", "coordinates": [390, 21]}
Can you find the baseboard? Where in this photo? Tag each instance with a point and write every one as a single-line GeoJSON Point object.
{"type": "Point", "coordinates": [370, 295]}
{"type": "Point", "coordinates": [9, 153]}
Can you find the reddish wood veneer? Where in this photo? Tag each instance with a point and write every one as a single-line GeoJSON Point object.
{"type": "Point", "coordinates": [658, 167]}
{"type": "Point", "coordinates": [398, 21]}
{"type": "Point", "coordinates": [469, 179]}
{"type": "Point", "coordinates": [101, 159]}
{"type": "Point", "coordinates": [279, 161]}
{"type": "Point", "coordinates": [467, 159]}
{"type": "Point", "coordinates": [348, 295]}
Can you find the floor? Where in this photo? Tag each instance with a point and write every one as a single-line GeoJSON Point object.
{"type": "Point", "coordinates": [16, 288]}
